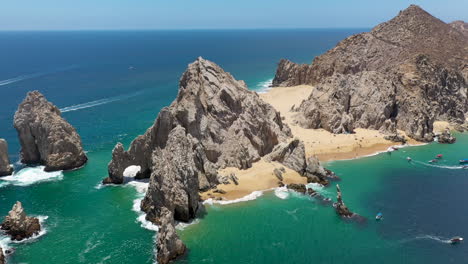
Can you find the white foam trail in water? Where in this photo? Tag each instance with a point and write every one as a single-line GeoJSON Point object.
{"type": "Point", "coordinates": [282, 192]}
{"type": "Point", "coordinates": [31, 175]}
{"type": "Point", "coordinates": [5, 241]}
{"type": "Point", "coordinates": [254, 195]}
{"type": "Point", "coordinates": [428, 237]}
{"type": "Point", "coordinates": [97, 102]}
{"type": "Point", "coordinates": [264, 86]}
{"type": "Point", "coordinates": [439, 166]}
{"type": "Point", "coordinates": [182, 225]}
{"type": "Point", "coordinates": [33, 75]}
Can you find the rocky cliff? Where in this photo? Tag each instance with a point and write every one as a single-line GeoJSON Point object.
{"type": "Point", "coordinates": [461, 26]}
{"type": "Point", "coordinates": [403, 74]}
{"type": "Point", "coordinates": [18, 225]}
{"type": "Point", "coordinates": [215, 122]}
{"type": "Point", "coordinates": [5, 167]}
{"type": "Point", "coordinates": [46, 138]}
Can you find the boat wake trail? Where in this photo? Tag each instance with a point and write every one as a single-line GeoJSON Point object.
{"type": "Point", "coordinates": [439, 166]}
{"type": "Point", "coordinates": [34, 75]}
{"type": "Point", "coordinates": [98, 102]}
{"type": "Point", "coordinates": [427, 237]}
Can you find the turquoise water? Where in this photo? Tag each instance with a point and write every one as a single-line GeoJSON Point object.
{"type": "Point", "coordinates": [89, 76]}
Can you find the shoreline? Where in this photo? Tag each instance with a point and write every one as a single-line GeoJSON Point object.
{"type": "Point", "coordinates": [318, 142]}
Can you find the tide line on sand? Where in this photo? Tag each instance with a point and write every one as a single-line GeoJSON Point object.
{"type": "Point", "coordinates": [264, 86]}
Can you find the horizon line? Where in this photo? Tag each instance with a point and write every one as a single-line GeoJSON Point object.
{"type": "Point", "coordinates": [177, 29]}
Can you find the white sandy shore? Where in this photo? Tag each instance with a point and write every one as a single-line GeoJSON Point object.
{"type": "Point", "coordinates": [325, 145]}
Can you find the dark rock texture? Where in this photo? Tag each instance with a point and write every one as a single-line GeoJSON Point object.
{"type": "Point", "coordinates": [340, 206]}
{"type": "Point", "coordinates": [2, 257]}
{"type": "Point", "coordinates": [169, 245]}
{"type": "Point", "coordinates": [300, 188]}
{"type": "Point", "coordinates": [18, 225]}
{"type": "Point", "coordinates": [403, 74]}
{"type": "Point", "coordinates": [5, 167]}
{"type": "Point", "coordinates": [446, 137]}
{"type": "Point", "coordinates": [46, 138]}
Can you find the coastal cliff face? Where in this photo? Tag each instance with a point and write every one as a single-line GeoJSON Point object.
{"type": "Point", "coordinates": [215, 122]}
{"type": "Point", "coordinates": [46, 138]}
{"type": "Point", "coordinates": [403, 74]}
{"type": "Point", "coordinates": [5, 167]}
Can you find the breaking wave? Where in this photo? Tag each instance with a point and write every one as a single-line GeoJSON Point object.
{"type": "Point", "coordinates": [254, 195]}
{"type": "Point", "coordinates": [264, 86]}
{"type": "Point", "coordinates": [6, 242]}
{"type": "Point", "coordinates": [282, 192]}
{"type": "Point", "coordinates": [29, 176]}
{"type": "Point", "coordinates": [97, 102]}
{"type": "Point", "coordinates": [141, 187]}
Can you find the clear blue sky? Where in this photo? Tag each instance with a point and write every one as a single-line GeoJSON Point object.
{"type": "Point", "coordinates": [211, 14]}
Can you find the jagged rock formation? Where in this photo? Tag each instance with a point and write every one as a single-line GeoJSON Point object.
{"type": "Point", "coordinates": [446, 137]}
{"type": "Point", "coordinates": [403, 74]}
{"type": "Point", "coordinates": [340, 207]}
{"type": "Point", "coordinates": [46, 138]}
{"type": "Point", "coordinates": [215, 122]}
{"type": "Point", "coordinates": [2, 256]}
{"type": "Point", "coordinates": [461, 26]}
{"type": "Point", "coordinates": [18, 225]}
{"type": "Point", "coordinates": [5, 167]}
{"type": "Point", "coordinates": [300, 188]}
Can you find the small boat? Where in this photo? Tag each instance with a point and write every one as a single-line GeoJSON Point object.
{"type": "Point", "coordinates": [379, 216]}
{"type": "Point", "coordinates": [439, 156]}
{"type": "Point", "coordinates": [409, 159]}
{"type": "Point", "coordinates": [433, 161]}
{"type": "Point", "coordinates": [456, 240]}
{"type": "Point", "coordinates": [465, 167]}
{"type": "Point", "coordinates": [463, 161]}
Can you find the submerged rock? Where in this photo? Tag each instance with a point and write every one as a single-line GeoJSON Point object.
{"type": "Point", "coordinates": [46, 138]}
{"type": "Point", "coordinates": [340, 206]}
{"type": "Point", "coordinates": [18, 225]}
{"type": "Point", "coordinates": [5, 167]}
{"type": "Point", "coordinates": [403, 74]}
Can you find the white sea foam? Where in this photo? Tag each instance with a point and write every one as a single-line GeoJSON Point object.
{"type": "Point", "coordinates": [97, 102]}
{"type": "Point", "coordinates": [264, 86]}
{"type": "Point", "coordinates": [427, 237]}
{"type": "Point", "coordinates": [282, 192]}
{"type": "Point", "coordinates": [254, 195]}
{"type": "Point", "coordinates": [6, 242]}
{"type": "Point", "coordinates": [131, 171]}
{"type": "Point", "coordinates": [31, 175]}
{"type": "Point", "coordinates": [456, 167]}
{"type": "Point", "coordinates": [182, 225]}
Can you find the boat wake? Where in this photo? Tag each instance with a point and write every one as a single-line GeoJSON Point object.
{"type": "Point", "coordinates": [29, 176]}
{"type": "Point", "coordinates": [98, 102]}
{"type": "Point", "coordinates": [427, 237]}
{"type": "Point", "coordinates": [455, 167]}
{"type": "Point", "coordinates": [34, 75]}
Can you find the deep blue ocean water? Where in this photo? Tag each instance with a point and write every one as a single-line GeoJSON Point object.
{"type": "Point", "coordinates": [111, 86]}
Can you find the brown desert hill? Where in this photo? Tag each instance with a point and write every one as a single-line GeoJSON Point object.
{"type": "Point", "coordinates": [461, 26]}
{"type": "Point", "coordinates": [405, 73]}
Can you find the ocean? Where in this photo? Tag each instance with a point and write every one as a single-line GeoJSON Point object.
{"type": "Point", "coordinates": [110, 85]}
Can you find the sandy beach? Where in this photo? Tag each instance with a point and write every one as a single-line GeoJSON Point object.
{"type": "Point", "coordinates": [319, 142]}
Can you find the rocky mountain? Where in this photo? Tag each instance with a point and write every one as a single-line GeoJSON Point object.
{"type": "Point", "coordinates": [5, 167]}
{"type": "Point", "coordinates": [404, 73]}
{"type": "Point", "coordinates": [215, 122]}
{"type": "Point", "coordinates": [46, 138]}
{"type": "Point", "coordinates": [18, 225]}
{"type": "Point", "coordinates": [460, 26]}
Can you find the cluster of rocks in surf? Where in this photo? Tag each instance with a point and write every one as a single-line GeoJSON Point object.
{"type": "Point", "coordinates": [403, 74]}
{"type": "Point", "coordinates": [18, 225]}
{"type": "Point", "coordinates": [46, 138]}
{"type": "Point", "coordinates": [5, 166]}
{"type": "Point", "coordinates": [340, 206]}
{"type": "Point", "coordinates": [215, 122]}
{"type": "Point", "coordinates": [446, 137]}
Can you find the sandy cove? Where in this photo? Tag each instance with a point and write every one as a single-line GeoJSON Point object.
{"type": "Point", "coordinates": [325, 145]}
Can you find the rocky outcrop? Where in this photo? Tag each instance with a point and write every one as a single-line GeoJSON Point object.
{"type": "Point", "coordinates": [461, 26]}
{"type": "Point", "coordinates": [169, 246]}
{"type": "Point", "coordinates": [403, 74]}
{"type": "Point", "coordinates": [340, 206]}
{"type": "Point", "coordinates": [18, 225]}
{"type": "Point", "coordinates": [46, 138]}
{"type": "Point", "coordinates": [396, 138]}
{"type": "Point", "coordinates": [2, 257]}
{"type": "Point", "coordinates": [300, 188]}
{"type": "Point", "coordinates": [5, 167]}
{"type": "Point", "coordinates": [292, 155]}
{"type": "Point", "coordinates": [446, 137]}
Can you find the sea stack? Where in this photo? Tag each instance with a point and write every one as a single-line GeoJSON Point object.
{"type": "Point", "coordinates": [215, 122]}
{"type": "Point", "coordinates": [340, 206]}
{"type": "Point", "coordinates": [46, 138]}
{"type": "Point", "coordinates": [5, 167]}
{"type": "Point", "coordinates": [18, 225]}
{"type": "Point", "coordinates": [404, 74]}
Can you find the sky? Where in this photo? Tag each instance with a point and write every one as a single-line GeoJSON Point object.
{"type": "Point", "coordinates": [212, 14]}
